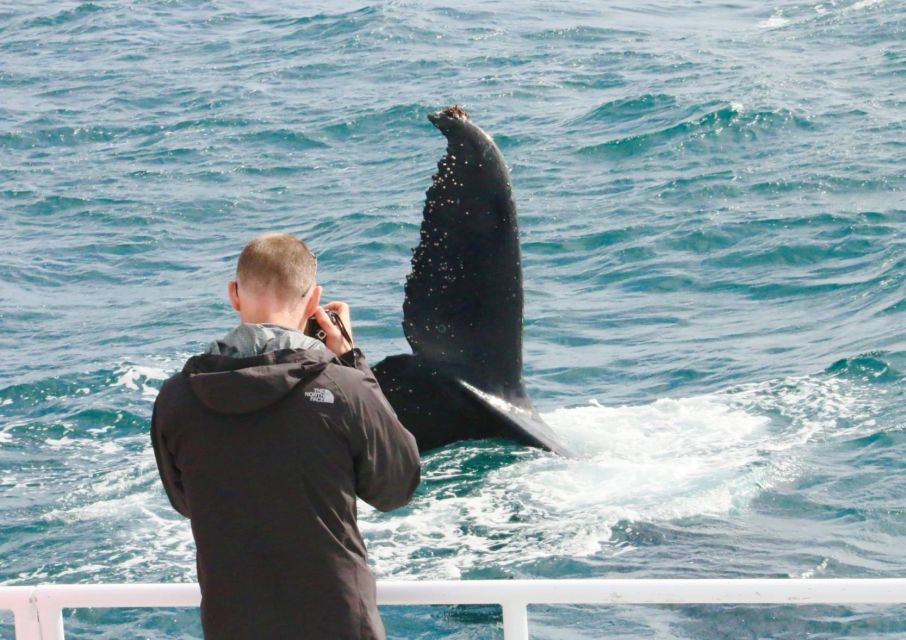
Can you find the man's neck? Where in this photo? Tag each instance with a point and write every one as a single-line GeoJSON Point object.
{"type": "Point", "coordinates": [286, 320]}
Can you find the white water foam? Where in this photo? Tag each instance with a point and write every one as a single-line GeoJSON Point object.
{"type": "Point", "coordinates": [864, 4]}
{"type": "Point", "coordinates": [145, 535]}
{"type": "Point", "coordinates": [671, 459]}
{"type": "Point", "coordinates": [138, 377]}
{"type": "Point", "coordinates": [776, 20]}
{"type": "Point", "coordinates": [779, 19]}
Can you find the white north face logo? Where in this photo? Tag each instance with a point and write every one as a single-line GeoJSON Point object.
{"type": "Point", "coordinates": [320, 395]}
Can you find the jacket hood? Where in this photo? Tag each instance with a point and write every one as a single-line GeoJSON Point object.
{"type": "Point", "coordinates": [254, 339]}
{"type": "Point", "coordinates": [243, 383]}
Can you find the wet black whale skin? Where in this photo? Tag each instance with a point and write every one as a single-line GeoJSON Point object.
{"type": "Point", "coordinates": [463, 309]}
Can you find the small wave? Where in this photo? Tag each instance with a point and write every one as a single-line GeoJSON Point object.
{"type": "Point", "coordinates": [785, 255]}
{"type": "Point", "coordinates": [583, 34]}
{"type": "Point", "coordinates": [581, 244]}
{"type": "Point", "coordinates": [275, 170]}
{"type": "Point", "coordinates": [24, 397]}
{"type": "Point", "coordinates": [325, 25]}
{"type": "Point", "coordinates": [139, 378]}
{"type": "Point", "coordinates": [59, 137]}
{"type": "Point", "coordinates": [66, 16]}
{"type": "Point", "coordinates": [895, 62]}
{"type": "Point", "coordinates": [776, 21]}
{"type": "Point", "coordinates": [284, 138]}
{"type": "Point", "coordinates": [875, 367]}
{"type": "Point", "coordinates": [404, 117]}
{"type": "Point", "coordinates": [626, 109]}
{"type": "Point", "coordinates": [703, 241]}
{"type": "Point", "coordinates": [864, 4]}
{"type": "Point", "coordinates": [820, 569]}
{"type": "Point", "coordinates": [90, 398]}
{"type": "Point", "coordinates": [595, 80]}
{"type": "Point", "coordinates": [628, 145]}
{"type": "Point", "coordinates": [732, 122]}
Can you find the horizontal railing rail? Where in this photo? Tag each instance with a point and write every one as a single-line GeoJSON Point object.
{"type": "Point", "coordinates": [38, 610]}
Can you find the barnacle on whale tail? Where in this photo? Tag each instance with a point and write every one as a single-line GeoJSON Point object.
{"type": "Point", "coordinates": [456, 112]}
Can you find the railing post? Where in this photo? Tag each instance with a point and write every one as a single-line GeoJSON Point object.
{"type": "Point", "coordinates": [515, 621]}
{"type": "Point", "coordinates": [50, 615]}
{"type": "Point", "coordinates": [26, 620]}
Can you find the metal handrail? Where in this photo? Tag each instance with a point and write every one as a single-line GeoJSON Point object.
{"type": "Point", "coordinates": [38, 610]}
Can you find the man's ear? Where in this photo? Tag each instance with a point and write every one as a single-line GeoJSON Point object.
{"type": "Point", "coordinates": [233, 292]}
{"type": "Point", "coordinates": [312, 303]}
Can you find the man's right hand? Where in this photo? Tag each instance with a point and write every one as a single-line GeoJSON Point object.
{"type": "Point", "coordinates": [333, 337]}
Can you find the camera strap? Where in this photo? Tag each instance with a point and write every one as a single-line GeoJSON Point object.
{"type": "Point", "coordinates": [339, 324]}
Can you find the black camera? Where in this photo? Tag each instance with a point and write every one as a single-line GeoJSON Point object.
{"type": "Point", "coordinates": [313, 329]}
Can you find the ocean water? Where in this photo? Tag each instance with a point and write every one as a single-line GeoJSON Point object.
{"type": "Point", "coordinates": [713, 224]}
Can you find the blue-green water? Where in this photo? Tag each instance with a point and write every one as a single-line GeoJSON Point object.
{"type": "Point", "coordinates": [714, 239]}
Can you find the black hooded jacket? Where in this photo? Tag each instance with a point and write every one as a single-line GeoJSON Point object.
{"type": "Point", "coordinates": [266, 455]}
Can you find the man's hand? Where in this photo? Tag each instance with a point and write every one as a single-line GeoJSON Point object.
{"type": "Point", "coordinates": [333, 338]}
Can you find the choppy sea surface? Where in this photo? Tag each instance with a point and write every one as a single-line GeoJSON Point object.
{"type": "Point", "coordinates": [713, 225]}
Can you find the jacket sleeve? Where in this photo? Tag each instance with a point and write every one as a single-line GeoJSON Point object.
{"type": "Point", "coordinates": [387, 464]}
{"type": "Point", "coordinates": [169, 472]}
{"type": "Point", "coordinates": [356, 359]}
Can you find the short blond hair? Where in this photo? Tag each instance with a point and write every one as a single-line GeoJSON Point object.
{"type": "Point", "coordinates": [277, 263]}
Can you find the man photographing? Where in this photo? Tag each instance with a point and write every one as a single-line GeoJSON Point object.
{"type": "Point", "coordinates": [264, 442]}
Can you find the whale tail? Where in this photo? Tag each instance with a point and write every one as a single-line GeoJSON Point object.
{"type": "Point", "coordinates": [462, 314]}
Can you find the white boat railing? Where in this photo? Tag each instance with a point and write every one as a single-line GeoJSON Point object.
{"type": "Point", "coordinates": [38, 610]}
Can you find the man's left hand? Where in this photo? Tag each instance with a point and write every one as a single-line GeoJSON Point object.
{"type": "Point", "coordinates": [333, 337]}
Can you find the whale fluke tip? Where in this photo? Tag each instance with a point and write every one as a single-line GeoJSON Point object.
{"type": "Point", "coordinates": [454, 111]}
